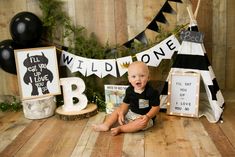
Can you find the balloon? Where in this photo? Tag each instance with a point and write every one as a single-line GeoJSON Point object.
{"type": "Point", "coordinates": [7, 58]}
{"type": "Point", "coordinates": [26, 29]}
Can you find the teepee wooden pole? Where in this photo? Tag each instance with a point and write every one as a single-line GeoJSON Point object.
{"type": "Point", "coordinates": [190, 12]}
{"type": "Point", "coordinates": [192, 15]}
{"type": "Point", "coordinates": [196, 11]}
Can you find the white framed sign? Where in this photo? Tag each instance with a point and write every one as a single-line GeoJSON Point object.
{"type": "Point", "coordinates": [183, 94]}
{"type": "Point", "coordinates": [37, 72]}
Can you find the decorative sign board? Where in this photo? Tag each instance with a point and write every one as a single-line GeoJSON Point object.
{"type": "Point", "coordinates": [192, 36]}
{"type": "Point", "coordinates": [37, 72]}
{"type": "Point", "coordinates": [183, 94]}
{"type": "Point", "coordinates": [114, 95]}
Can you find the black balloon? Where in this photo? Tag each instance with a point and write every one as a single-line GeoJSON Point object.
{"type": "Point", "coordinates": [7, 58]}
{"type": "Point", "coordinates": [26, 29]}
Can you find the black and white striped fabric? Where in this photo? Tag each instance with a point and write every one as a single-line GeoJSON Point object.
{"type": "Point", "coordinates": [191, 57]}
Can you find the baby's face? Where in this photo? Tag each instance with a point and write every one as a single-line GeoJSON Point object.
{"type": "Point", "coordinates": [138, 76]}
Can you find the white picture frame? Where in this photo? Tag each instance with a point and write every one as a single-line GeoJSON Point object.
{"type": "Point", "coordinates": [183, 94]}
{"type": "Point", "coordinates": [37, 72]}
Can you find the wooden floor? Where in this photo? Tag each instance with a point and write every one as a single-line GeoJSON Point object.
{"type": "Point", "coordinates": [171, 137]}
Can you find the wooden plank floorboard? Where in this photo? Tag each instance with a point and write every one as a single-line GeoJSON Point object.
{"type": "Point", "coordinates": [102, 144]}
{"type": "Point", "coordinates": [178, 136]}
{"type": "Point", "coordinates": [116, 145]}
{"type": "Point", "coordinates": [222, 142]}
{"type": "Point", "coordinates": [88, 138]}
{"type": "Point", "coordinates": [201, 142]}
{"type": "Point", "coordinates": [223, 134]}
{"type": "Point", "coordinates": [65, 139]}
{"type": "Point", "coordinates": [31, 148]}
{"type": "Point", "coordinates": [174, 137]}
{"type": "Point", "coordinates": [171, 136]}
{"type": "Point", "coordinates": [8, 119]}
{"type": "Point", "coordinates": [52, 139]}
{"type": "Point", "coordinates": [228, 125]}
{"type": "Point", "coordinates": [21, 139]}
{"type": "Point", "coordinates": [133, 144]}
{"type": "Point", "coordinates": [155, 139]}
{"type": "Point", "coordinates": [107, 145]}
{"type": "Point", "coordinates": [11, 125]}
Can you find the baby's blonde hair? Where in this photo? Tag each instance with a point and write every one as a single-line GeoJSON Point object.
{"type": "Point", "coordinates": [138, 64]}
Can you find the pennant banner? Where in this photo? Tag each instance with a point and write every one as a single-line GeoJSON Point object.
{"type": "Point", "coordinates": [142, 38]}
{"type": "Point", "coordinates": [160, 17]}
{"type": "Point", "coordinates": [168, 9]}
{"type": "Point", "coordinates": [67, 59]}
{"type": "Point", "coordinates": [80, 65]}
{"type": "Point", "coordinates": [123, 64]}
{"type": "Point", "coordinates": [104, 67]}
{"type": "Point", "coordinates": [163, 50]}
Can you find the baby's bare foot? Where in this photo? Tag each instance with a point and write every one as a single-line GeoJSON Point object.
{"type": "Point", "coordinates": [115, 131]}
{"type": "Point", "coordinates": [100, 127]}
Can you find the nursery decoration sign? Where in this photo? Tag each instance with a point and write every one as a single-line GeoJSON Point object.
{"type": "Point", "coordinates": [37, 72]}
{"type": "Point", "coordinates": [183, 95]}
{"type": "Point", "coordinates": [104, 67]}
{"type": "Point", "coordinates": [114, 95]}
{"type": "Point", "coordinates": [192, 36]}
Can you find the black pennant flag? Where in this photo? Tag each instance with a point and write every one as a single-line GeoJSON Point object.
{"type": "Point", "coordinates": [142, 38]}
{"type": "Point", "coordinates": [161, 18]}
{"type": "Point", "coordinates": [168, 9]}
{"type": "Point", "coordinates": [128, 43]}
{"type": "Point", "coordinates": [179, 1]}
{"type": "Point", "coordinates": [153, 26]}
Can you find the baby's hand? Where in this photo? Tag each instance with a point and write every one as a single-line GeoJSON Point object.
{"type": "Point", "coordinates": [121, 118]}
{"type": "Point", "coordinates": [145, 118]}
{"type": "Point", "coordinates": [143, 121]}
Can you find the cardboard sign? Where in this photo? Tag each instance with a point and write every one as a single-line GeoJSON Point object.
{"type": "Point", "coordinates": [183, 95]}
{"type": "Point", "coordinates": [37, 72]}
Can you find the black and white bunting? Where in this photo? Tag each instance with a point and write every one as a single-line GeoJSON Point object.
{"type": "Point", "coordinates": [177, 1]}
{"type": "Point", "coordinates": [161, 18]}
{"type": "Point", "coordinates": [168, 9]}
{"type": "Point", "coordinates": [103, 67]}
{"type": "Point", "coordinates": [142, 38]}
{"type": "Point", "coordinates": [128, 43]}
{"type": "Point", "coordinates": [153, 24]}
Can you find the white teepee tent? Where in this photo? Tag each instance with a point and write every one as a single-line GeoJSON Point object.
{"type": "Point", "coordinates": [191, 57]}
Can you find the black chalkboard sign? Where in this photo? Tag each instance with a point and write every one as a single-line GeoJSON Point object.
{"type": "Point", "coordinates": [37, 72]}
{"type": "Point", "coordinates": [192, 36]}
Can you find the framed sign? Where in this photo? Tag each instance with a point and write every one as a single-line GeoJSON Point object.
{"type": "Point", "coordinates": [37, 72]}
{"type": "Point", "coordinates": [183, 94]}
